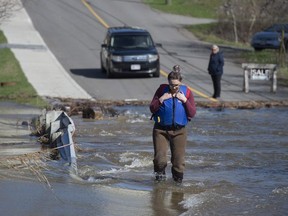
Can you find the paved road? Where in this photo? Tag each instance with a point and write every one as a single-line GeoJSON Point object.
{"type": "Point", "coordinates": [74, 36]}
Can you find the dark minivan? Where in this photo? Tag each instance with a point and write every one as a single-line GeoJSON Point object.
{"type": "Point", "coordinates": [271, 38]}
{"type": "Point", "coordinates": [129, 51]}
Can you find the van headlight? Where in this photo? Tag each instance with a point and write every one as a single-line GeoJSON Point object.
{"type": "Point", "coordinates": [116, 58]}
{"type": "Point", "coordinates": [152, 58]}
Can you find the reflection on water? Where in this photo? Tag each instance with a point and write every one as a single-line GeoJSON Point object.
{"type": "Point", "coordinates": [236, 164]}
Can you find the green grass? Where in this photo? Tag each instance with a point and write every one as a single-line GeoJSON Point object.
{"type": "Point", "coordinates": [262, 57]}
{"type": "Point", "coordinates": [199, 9]}
{"type": "Point", "coordinates": [19, 90]}
{"type": "Point", "coordinates": [2, 38]}
{"type": "Point", "coordinates": [205, 32]}
{"type": "Point", "coordinates": [195, 8]}
{"type": "Point", "coordinates": [208, 32]}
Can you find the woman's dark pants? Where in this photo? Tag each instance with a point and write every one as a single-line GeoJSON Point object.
{"type": "Point", "coordinates": [176, 140]}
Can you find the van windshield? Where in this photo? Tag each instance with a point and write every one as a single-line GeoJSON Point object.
{"type": "Point", "coordinates": [131, 41]}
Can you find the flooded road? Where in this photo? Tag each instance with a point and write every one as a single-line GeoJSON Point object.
{"type": "Point", "coordinates": [236, 164]}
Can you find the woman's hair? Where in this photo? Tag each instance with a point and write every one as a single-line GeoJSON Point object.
{"type": "Point", "coordinates": [173, 75]}
{"type": "Point", "coordinates": [176, 68]}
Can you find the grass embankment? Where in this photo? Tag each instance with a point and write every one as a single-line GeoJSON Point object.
{"type": "Point", "coordinates": [14, 85]}
{"type": "Point", "coordinates": [205, 32]}
{"type": "Point", "coordinates": [195, 8]}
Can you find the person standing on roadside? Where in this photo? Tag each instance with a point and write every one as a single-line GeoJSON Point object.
{"type": "Point", "coordinates": [172, 107]}
{"type": "Point", "coordinates": [215, 69]}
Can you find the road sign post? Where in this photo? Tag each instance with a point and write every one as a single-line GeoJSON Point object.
{"type": "Point", "coordinates": [260, 72]}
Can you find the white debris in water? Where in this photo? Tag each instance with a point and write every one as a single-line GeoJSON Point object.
{"type": "Point", "coordinates": [283, 190]}
{"type": "Point", "coordinates": [136, 163]}
{"type": "Point", "coordinates": [106, 133]}
{"type": "Point", "coordinates": [112, 170]}
{"type": "Point", "coordinates": [193, 201]}
{"type": "Point", "coordinates": [134, 120]}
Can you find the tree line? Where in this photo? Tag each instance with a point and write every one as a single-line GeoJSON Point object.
{"type": "Point", "coordinates": [240, 19]}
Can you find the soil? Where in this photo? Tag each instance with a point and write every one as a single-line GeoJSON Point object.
{"type": "Point", "coordinates": [75, 107]}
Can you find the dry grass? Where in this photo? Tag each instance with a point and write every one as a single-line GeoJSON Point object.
{"type": "Point", "coordinates": [35, 162]}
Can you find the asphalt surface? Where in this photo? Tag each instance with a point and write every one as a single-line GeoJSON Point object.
{"type": "Point", "coordinates": [51, 79]}
{"type": "Point", "coordinates": [40, 66]}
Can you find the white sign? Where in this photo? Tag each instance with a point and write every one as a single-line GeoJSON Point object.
{"type": "Point", "coordinates": [260, 74]}
{"type": "Point", "coordinates": [135, 67]}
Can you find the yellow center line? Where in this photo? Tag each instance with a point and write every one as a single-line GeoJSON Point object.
{"type": "Point", "coordinates": [95, 14]}
{"type": "Point", "coordinates": [161, 71]}
{"type": "Point", "coordinates": [192, 89]}
{"type": "Point", "coordinates": [202, 94]}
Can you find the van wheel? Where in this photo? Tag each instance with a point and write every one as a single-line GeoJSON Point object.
{"type": "Point", "coordinates": [109, 74]}
{"type": "Point", "coordinates": [102, 68]}
{"type": "Point", "coordinates": [156, 74]}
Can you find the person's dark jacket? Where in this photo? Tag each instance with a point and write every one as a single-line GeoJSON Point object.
{"type": "Point", "coordinates": [216, 63]}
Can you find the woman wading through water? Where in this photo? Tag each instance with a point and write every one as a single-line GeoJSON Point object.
{"type": "Point", "coordinates": [172, 107]}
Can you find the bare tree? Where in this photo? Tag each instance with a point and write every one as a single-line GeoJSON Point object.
{"type": "Point", "coordinates": [239, 19]}
{"type": "Point", "coordinates": [7, 7]}
{"type": "Point", "coordinates": [230, 9]}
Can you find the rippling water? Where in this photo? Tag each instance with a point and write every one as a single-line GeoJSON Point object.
{"type": "Point", "coordinates": [236, 164]}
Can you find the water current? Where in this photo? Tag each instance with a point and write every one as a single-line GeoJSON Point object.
{"type": "Point", "coordinates": [236, 164]}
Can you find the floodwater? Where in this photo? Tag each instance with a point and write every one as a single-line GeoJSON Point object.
{"type": "Point", "coordinates": [236, 164]}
